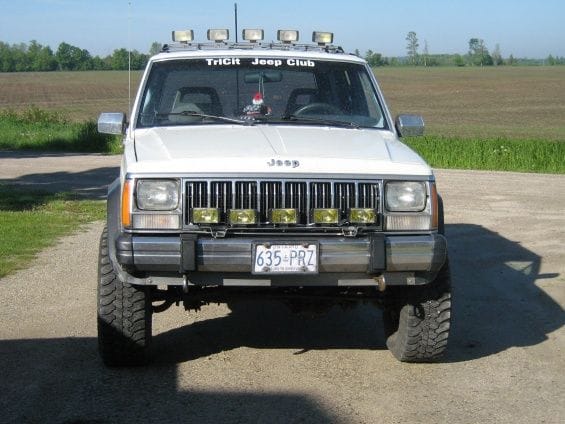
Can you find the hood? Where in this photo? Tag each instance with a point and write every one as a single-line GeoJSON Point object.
{"type": "Point", "coordinates": [280, 149]}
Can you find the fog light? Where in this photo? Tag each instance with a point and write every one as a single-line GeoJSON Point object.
{"type": "Point", "coordinates": [325, 216]}
{"type": "Point", "coordinates": [362, 216]}
{"type": "Point", "coordinates": [253, 35]}
{"type": "Point", "coordinates": [218, 35]}
{"type": "Point", "coordinates": [205, 216]}
{"type": "Point", "coordinates": [284, 216]}
{"type": "Point", "coordinates": [242, 216]}
{"type": "Point", "coordinates": [287, 35]}
{"type": "Point", "coordinates": [322, 37]}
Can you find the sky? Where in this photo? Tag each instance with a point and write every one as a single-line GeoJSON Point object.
{"type": "Point", "coordinates": [523, 28]}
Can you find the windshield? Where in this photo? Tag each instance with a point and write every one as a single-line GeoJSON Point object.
{"type": "Point", "coordinates": [230, 90]}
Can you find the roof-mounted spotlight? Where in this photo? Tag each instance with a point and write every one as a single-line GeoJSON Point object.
{"type": "Point", "coordinates": [253, 35]}
{"type": "Point", "coordinates": [287, 36]}
{"type": "Point", "coordinates": [218, 35]}
{"type": "Point", "coordinates": [185, 36]}
{"type": "Point", "coordinates": [322, 38]}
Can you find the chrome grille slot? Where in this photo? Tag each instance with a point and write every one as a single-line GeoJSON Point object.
{"type": "Point", "coordinates": [270, 196]}
{"type": "Point", "coordinates": [197, 194]}
{"type": "Point", "coordinates": [368, 195]}
{"type": "Point", "coordinates": [221, 196]}
{"type": "Point", "coordinates": [344, 197]}
{"type": "Point", "coordinates": [246, 195]}
{"type": "Point", "coordinates": [295, 197]}
{"type": "Point", "coordinates": [320, 195]}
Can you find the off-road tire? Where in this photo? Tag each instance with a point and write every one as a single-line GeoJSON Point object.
{"type": "Point", "coordinates": [417, 320]}
{"type": "Point", "coordinates": [124, 315]}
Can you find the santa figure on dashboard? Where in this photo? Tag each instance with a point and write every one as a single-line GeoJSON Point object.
{"type": "Point", "coordinates": [257, 107]}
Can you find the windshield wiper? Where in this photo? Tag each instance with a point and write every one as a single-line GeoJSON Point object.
{"type": "Point", "coordinates": [206, 116]}
{"type": "Point", "coordinates": [322, 121]}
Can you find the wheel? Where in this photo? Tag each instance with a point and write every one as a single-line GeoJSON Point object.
{"type": "Point", "coordinates": [417, 320]}
{"type": "Point", "coordinates": [124, 315]}
{"type": "Point", "coordinates": [317, 109]}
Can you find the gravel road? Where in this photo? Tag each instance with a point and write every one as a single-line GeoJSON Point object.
{"type": "Point", "coordinates": [505, 363]}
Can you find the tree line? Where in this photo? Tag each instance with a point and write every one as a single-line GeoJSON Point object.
{"type": "Point", "coordinates": [477, 55]}
{"type": "Point", "coordinates": [34, 56]}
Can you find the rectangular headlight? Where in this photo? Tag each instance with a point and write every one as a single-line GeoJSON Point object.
{"type": "Point", "coordinates": [205, 215]}
{"type": "Point", "coordinates": [362, 216]}
{"type": "Point", "coordinates": [325, 216]}
{"type": "Point", "coordinates": [284, 216]}
{"type": "Point", "coordinates": [157, 195]}
{"type": "Point", "coordinates": [243, 216]}
{"type": "Point", "coordinates": [405, 196]}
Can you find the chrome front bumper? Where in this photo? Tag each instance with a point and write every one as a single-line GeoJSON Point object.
{"type": "Point", "coordinates": [402, 259]}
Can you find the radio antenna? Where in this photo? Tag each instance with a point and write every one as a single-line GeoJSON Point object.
{"type": "Point", "coordinates": [235, 16]}
{"type": "Point", "coordinates": [129, 59]}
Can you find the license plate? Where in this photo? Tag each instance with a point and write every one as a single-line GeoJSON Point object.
{"type": "Point", "coordinates": [300, 258]}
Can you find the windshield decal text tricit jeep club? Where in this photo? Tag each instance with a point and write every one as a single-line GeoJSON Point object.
{"type": "Point", "coordinates": [231, 61]}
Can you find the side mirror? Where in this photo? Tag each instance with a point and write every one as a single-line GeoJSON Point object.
{"type": "Point", "coordinates": [409, 125]}
{"type": "Point", "coordinates": [112, 123]}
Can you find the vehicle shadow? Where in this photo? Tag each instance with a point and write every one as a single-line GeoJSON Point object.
{"type": "Point", "coordinates": [91, 184]}
{"type": "Point", "coordinates": [271, 325]}
{"type": "Point", "coordinates": [496, 305]}
{"type": "Point", "coordinates": [64, 381]}
{"type": "Point", "coordinates": [496, 302]}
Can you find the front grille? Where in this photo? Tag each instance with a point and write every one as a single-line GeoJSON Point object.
{"type": "Point", "coordinates": [264, 195]}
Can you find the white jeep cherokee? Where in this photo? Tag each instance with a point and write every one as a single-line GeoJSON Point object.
{"type": "Point", "coordinates": [275, 170]}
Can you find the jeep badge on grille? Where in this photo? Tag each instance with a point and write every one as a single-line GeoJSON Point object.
{"type": "Point", "coordinates": [279, 162]}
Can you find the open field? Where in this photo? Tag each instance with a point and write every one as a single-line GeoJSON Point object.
{"type": "Point", "coordinates": [490, 102]}
{"type": "Point", "coordinates": [493, 102]}
{"type": "Point", "coordinates": [77, 95]}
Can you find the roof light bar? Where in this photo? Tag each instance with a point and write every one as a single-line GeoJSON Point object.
{"type": "Point", "coordinates": [253, 35]}
{"type": "Point", "coordinates": [218, 35]}
{"type": "Point", "coordinates": [185, 36]}
{"type": "Point", "coordinates": [322, 38]}
{"type": "Point", "coordinates": [287, 36]}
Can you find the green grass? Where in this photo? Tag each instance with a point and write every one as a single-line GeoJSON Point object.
{"type": "Point", "coordinates": [496, 155]}
{"type": "Point", "coordinates": [32, 220]}
{"type": "Point", "coordinates": [38, 129]}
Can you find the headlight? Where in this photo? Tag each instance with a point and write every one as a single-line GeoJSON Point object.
{"type": "Point", "coordinates": [405, 196]}
{"type": "Point", "coordinates": [157, 195]}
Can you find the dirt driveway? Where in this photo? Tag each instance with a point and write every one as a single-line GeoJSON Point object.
{"type": "Point", "coordinates": [506, 358]}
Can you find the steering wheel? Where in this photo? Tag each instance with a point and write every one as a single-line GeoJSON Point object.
{"type": "Point", "coordinates": [318, 109]}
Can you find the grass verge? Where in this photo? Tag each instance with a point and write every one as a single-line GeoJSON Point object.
{"type": "Point", "coordinates": [494, 155]}
{"type": "Point", "coordinates": [33, 220]}
{"type": "Point", "coordinates": [38, 129]}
